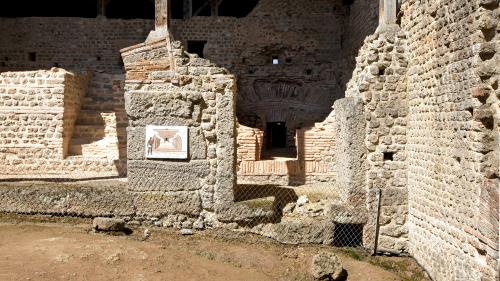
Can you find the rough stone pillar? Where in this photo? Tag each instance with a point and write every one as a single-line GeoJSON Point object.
{"type": "Point", "coordinates": [162, 14]}
{"type": "Point", "coordinates": [162, 19]}
{"type": "Point", "coordinates": [350, 150]}
{"type": "Point", "coordinates": [388, 11]}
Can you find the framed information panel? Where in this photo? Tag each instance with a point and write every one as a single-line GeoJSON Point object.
{"type": "Point", "coordinates": [166, 142]}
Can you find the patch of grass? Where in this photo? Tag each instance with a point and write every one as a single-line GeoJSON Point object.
{"type": "Point", "coordinates": [354, 254]}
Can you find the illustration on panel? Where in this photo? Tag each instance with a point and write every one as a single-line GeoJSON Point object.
{"type": "Point", "coordinates": [166, 142]}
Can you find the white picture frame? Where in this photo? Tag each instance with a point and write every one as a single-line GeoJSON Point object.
{"type": "Point", "coordinates": [166, 142]}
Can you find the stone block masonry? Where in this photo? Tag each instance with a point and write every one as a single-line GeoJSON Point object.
{"type": "Point", "coordinates": [452, 149]}
{"type": "Point", "coordinates": [40, 113]}
{"type": "Point", "coordinates": [166, 86]}
{"type": "Point", "coordinates": [38, 110]}
{"type": "Point", "coordinates": [75, 44]}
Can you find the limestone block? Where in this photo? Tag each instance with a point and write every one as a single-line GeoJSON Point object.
{"type": "Point", "coordinates": [327, 266]}
{"type": "Point", "coordinates": [166, 175]}
{"type": "Point", "coordinates": [108, 224]}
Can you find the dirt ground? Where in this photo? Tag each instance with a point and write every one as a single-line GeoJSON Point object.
{"type": "Point", "coordinates": [58, 249]}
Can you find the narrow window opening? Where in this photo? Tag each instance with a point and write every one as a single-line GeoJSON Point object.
{"type": "Point", "coordinates": [196, 47]}
{"type": "Point", "coordinates": [275, 60]}
{"type": "Point", "coordinates": [32, 56]}
{"type": "Point", "coordinates": [251, 71]}
{"type": "Point", "coordinates": [243, 60]}
{"type": "Point", "coordinates": [56, 64]}
{"type": "Point", "coordinates": [2, 64]}
{"type": "Point", "coordinates": [6, 58]}
{"type": "Point", "coordinates": [98, 58]}
{"type": "Point", "coordinates": [288, 60]}
{"type": "Point", "coordinates": [388, 156]}
{"type": "Point", "coordinates": [309, 71]}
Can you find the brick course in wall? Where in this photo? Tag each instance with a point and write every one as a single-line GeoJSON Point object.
{"type": "Point", "coordinates": [453, 194]}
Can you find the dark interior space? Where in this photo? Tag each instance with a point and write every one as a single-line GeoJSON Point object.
{"type": "Point", "coordinates": [201, 8]}
{"type": "Point", "coordinates": [348, 235]}
{"type": "Point", "coordinates": [177, 9]}
{"type": "Point", "coordinates": [196, 47]}
{"type": "Point", "coordinates": [237, 8]}
{"type": "Point", "coordinates": [130, 9]}
{"type": "Point", "coordinates": [52, 8]}
{"type": "Point", "coordinates": [276, 135]}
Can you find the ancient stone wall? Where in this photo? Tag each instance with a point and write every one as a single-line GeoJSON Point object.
{"type": "Point", "coordinates": [39, 110]}
{"type": "Point", "coordinates": [452, 149]}
{"type": "Point", "coordinates": [302, 87]}
{"type": "Point", "coordinates": [379, 80]}
{"type": "Point", "coordinates": [165, 86]}
{"type": "Point", "coordinates": [70, 43]}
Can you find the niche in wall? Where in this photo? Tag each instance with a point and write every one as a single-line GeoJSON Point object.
{"type": "Point", "coordinates": [196, 47]}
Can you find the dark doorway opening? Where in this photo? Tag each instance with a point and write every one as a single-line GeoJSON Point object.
{"type": "Point", "coordinates": [276, 135]}
{"type": "Point", "coordinates": [196, 47]}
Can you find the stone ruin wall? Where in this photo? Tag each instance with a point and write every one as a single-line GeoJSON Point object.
{"type": "Point", "coordinates": [379, 81]}
{"type": "Point", "coordinates": [440, 190]}
{"type": "Point", "coordinates": [38, 113]}
{"type": "Point", "coordinates": [167, 86]}
{"type": "Point", "coordinates": [76, 44]}
{"type": "Point", "coordinates": [302, 88]}
{"type": "Point", "coordinates": [452, 137]}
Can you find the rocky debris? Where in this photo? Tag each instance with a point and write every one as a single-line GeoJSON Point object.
{"type": "Point", "coordinates": [186, 232]}
{"type": "Point", "coordinates": [146, 234]}
{"type": "Point", "coordinates": [199, 225]}
{"type": "Point", "coordinates": [302, 200]}
{"type": "Point", "coordinates": [320, 208]}
{"type": "Point", "coordinates": [289, 208]}
{"type": "Point", "coordinates": [327, 266]}
{"type": "Point", "coordinates": [109, 224]}
{"type": "Point", "coordinates": [301, 230]}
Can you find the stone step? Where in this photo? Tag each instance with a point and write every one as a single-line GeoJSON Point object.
{"type": "Point", "coordinates": [95, 117]}
{"type": "Point", "coordinates": [106, 148]}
